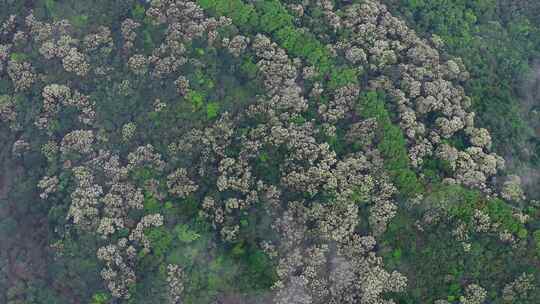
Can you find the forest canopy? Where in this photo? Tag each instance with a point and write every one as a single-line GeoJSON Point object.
{"type": "Point", "coordinates": [269, 151]}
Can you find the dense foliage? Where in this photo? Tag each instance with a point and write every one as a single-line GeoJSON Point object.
{"type": "Point", "coordinates": [272, 151]}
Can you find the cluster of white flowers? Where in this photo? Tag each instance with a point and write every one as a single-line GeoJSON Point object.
{"type": "Point", "coordinates": [175, 277]}
{"type": "Point", "coordinates": [48, 185]}
{"type": "Point", "coordinates": [179, 183]}
{"type": "Point", "coordinates": [78, 141]}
